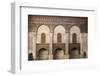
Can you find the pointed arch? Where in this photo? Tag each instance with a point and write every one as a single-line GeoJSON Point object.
{"type": "Point", "coordinates": [59, 29]}
{"type": "Point", "coordinates": [59, 34]}
{"type": "Point", "coordinates": [75, 35]}
{"type": "Point", "coordinates": [43, 34]}
{"type": "Point", "coordinates": [75, 29]}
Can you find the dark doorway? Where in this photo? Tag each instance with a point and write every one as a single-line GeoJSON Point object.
{"type": "Point", "coordinates": [59, 53]}
{"type": "Point", "coordinates": [30, 56]}
{"type": "Point", "coordinates": [74, 53]}
{"type": "Point", "coordinates": [42, 54]}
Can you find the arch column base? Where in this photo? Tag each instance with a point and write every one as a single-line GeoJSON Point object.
{"type": "Point", "coordinates": [66, 56]}
{"type": "Point", "coordinates": [50, 56]}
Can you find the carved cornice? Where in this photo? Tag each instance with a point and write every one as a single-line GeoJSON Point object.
{"type": "Point", "coordinates": [52, 21]}
{"type": "Point", "coordinates": [56, 19]}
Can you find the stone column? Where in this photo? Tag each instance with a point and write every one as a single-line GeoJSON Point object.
{"type": "Point", "coordinates": [50, 46]}
{"type": "Point", "coordinates": [30, 43]}
{"type": "Point", "coordinates": [83, 44]}
{"type": "Point", "coordinates": [66, 45]}
{"type": "Point", "coordinates": [34, 45]}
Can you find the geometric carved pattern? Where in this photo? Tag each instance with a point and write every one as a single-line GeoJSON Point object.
{"type": "Point", "coordinates": [56, 42]}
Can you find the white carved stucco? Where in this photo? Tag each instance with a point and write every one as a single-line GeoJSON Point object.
{"type": "Point", "coordinates": [43, 29]}
{"type": "Point", "coordinates": [66, 38]}
{"type": "Point", "coordinates": [59, 29]}
{"type": "Point", "coordinates": [30, 39]}
{"type": "Point", "coordinates": [75, 30]}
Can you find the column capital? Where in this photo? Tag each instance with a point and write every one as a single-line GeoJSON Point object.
{"type": "Point", "coordinates": [51, 31]}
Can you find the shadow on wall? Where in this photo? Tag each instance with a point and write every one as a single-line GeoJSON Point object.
{"type": "Point", "coordinates": [30, 57]}
{"type": "Point", "coordinates": [58, 54]}
{"type": "Point", "coordinates": [42, 54]}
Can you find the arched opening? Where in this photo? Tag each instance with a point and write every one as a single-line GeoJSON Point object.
{"type": "Point", "coordinates": [74, 38]}
{"type": "Point", "coordinates": [74, 53]}
{"type": "Point", "coordinates": [43, 54]}
{"type": "Point", "coordinates": [59, 38]}
{"type": "Point", "coordinates": [59, 53]}
{"type": "Point", "coordinates": [59, 34]}
{"type": "Point", "coordinates": [43, 38]}
{"type": "Point", "coordinates": [43, 34]}
{"type": "Point", "coordinates": [75, 35]}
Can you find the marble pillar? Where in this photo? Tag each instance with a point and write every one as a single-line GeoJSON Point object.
{"type": "Point", "coordinates": [66, 46]}
{"type": "Point", "coordinates": [84, 43]}
{"type": "Point", "coordinates": [50, 46]}
{"type": "Point", "coordinates": [34, 45]}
